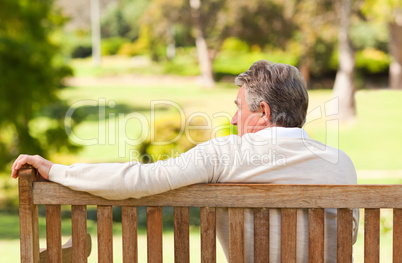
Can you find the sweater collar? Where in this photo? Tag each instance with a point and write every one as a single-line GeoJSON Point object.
{"type": "Point", "coordinates": [283, 132]}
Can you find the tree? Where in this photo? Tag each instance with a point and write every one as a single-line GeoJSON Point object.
{"type": "Point", "coordinates": [395, 47]}
{"type": "Point", "coordinates": [390, 12]}
{"type": "Point", "coordinates": [344, 87]}
{"type": "Point", "coordinates": [31, 77]}
{"type": "Point", "coordinates": [314, 35]}
{"type": "Point", "coordinates": [202, 48]}
{"type": "Point", "coordinates": [257, 22]}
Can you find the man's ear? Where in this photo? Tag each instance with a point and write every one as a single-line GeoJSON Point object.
{"type": "Point", "coordinates": [265, 111]}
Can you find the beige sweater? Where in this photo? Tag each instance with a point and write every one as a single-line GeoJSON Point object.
{"type": "Point", "coordinates": [274, 155]}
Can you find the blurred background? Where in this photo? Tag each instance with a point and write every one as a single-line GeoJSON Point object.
{"type": "Point", "coordinates": [102, 80]}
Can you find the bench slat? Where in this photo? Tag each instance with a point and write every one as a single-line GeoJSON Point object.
{"type": "Point", "coordinates": [208, 234]}
{"type": "Point", "coordinates": [236, 234]}
{"type": "Point", "coordinates": [316, 235]}
{"type": "Point", "coordinates": [29, 227]}
{"type": "Point", "coordinates": [344, 235]}
{"type": "Point", "coordinates": [261, 235]}
{"type": "Point", "coordinates": [397, 236]}
{"type": "Point", "coordinates": [105, 233]}
{"type": "Point", "coordinates": [129, 234]}
{"type": "Point", "coordinates": [181, 234]}
{"type": "Point", "coordinates": [53, 233]}
{"type": "Point", "coordinates": [231, 195]}
{"type": "Point", "coordinates": [154, 234]}
{"type": "Point", "coordinates": [371, 235]}
{"type": "Point", "coordinates": [79, 233]}
{"type": "Point", "coordinates": [288, 234]}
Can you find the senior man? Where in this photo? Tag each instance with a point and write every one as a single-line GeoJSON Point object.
{"type": "Point", "coordinates": [271, 147]}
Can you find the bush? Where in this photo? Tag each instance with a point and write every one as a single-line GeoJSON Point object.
{"type": "Point", "coordinates": [176, 138]}
{"type": "Point", "coordinates": [110, 46]}
{"type": "Point", "coordinates": [372, 60]}
{"type": "Point", "coordinates": [235, 44]}
{"type": "Point", "coordinates": [81, 51]}
{"type": "Point", "coordinates": [234, 63]}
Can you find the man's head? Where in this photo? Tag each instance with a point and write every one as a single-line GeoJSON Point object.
{"type": "Point", "coordinates": [270, 95]}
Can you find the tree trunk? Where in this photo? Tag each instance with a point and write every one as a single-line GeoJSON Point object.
{"type": "Point", "coordinates": [171, 46]}
{"type": "Point", "coordinates": [395, 46]}
{"type": "Point", "coordinates": [96, 37]}
{"type": "Point", "coordinates": [202, 48]}
{"type": "Point", "coordinates": [344, 88]}
{"type": "Point", "coordinates": [304, 68]}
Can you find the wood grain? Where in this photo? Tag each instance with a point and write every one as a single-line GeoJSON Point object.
{"type": "Point", "coordinates": [236, 235]}
{"type": "Point", "coordinates": [397, 236]}
{"type": "Point", "coordinates": [53, 233]}
{"type": "Point", "coordinates": [316, 235]}
{"type": "Point", "coordinates": [154, 234]}
{"type": "Point", "coordinates": [288, 234]}
{"type": "Point", "coordinates": [344, 235]}
{"type": "Point", "coordinates": [261, 235]}
{"type": "Point", "coordinates": [105, 233]}
{"type": "Point", "coordinates": [28, 213]}
{"type": "Point", "coordinates": [371, 235]}
{"type": "Point", "coordinates": [181, 234]}
{"type": "Point", "coordinates": [79, 233]}
{"type": "Point", "coordinates": [208, 234]}
{"type": "Point", "coordinates": [231, 195]}
{"type": "Point", "coordinates": [129, 234]}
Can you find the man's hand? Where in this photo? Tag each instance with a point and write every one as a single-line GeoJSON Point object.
{"type": "Point", "coordinates": [41, 164]}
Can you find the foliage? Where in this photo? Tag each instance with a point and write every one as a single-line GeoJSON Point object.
{"type": "Point", "coordinates": [372, 61]}
{"type": "Point", "coordinates": [111, 46]}
{"type": "Point", "coordinates": [234, 63]}
{"type": "Point", "coordinates": [122, 19]}
{"type": "Point", "coordinates": [366, 34]}
{"type": "Point", "coordinates": [235, 44]}
{"type": "Point", "coordinates": [172, 137]}
{"type": "Point", "coordinates": [368, 61]}
{"type": "Point", "coordinates": [31, 77]}
{"type": "Point", "coordinates": [138, 47]}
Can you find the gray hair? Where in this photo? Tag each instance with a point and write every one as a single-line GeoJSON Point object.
{"type": "Point", "coordinates": [281, 86]}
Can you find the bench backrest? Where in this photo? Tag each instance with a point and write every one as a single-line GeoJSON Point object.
{"type": "Point", "coordinates": [260, 197]}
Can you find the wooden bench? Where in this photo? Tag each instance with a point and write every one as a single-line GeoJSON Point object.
{"type": "Point", "coordinates": [209, 196]}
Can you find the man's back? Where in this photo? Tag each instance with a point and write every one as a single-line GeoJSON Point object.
{"type": "Point", "coordinates": [284, 156]}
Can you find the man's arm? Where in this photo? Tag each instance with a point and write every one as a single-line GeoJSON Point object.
{"type": "Point", "coordinates": [41, 164]}
{"type": "Point", "coordinates": [129, 180]}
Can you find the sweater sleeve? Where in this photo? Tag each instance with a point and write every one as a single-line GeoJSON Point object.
{"type": "Point", "coordinates": [134, 180]}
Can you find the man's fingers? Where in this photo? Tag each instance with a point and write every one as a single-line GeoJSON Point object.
{"type": "Point", "coordinates": [16, 161]}
{"type": "Point", "coordinates": [36, 161]}
{"type": "Point", "coordinates": [21, 160]}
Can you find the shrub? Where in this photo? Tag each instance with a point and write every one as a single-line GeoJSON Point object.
{"type": "Point", "coordinates": [110, 46]}
{"type": "Point", "coordinates": [176, 138]}
{"type": "Point", "coordinates": [235, 44]}
{"type": "Point", "coordinates": [81, 51]}
{"type": "Point", "coordinates": [372, 60]}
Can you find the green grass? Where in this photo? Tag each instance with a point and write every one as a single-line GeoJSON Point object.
{"type": "Point", "coordinates": [373, 140]}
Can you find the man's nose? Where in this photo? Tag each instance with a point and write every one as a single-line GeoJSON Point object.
{"type": "Point", "coordinates": [234, 120]}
